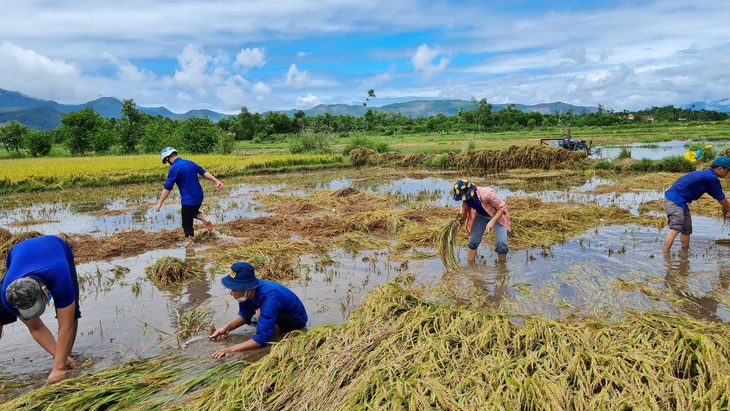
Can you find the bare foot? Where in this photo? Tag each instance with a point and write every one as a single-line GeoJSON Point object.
{"type": "Point", "coordinates": [189, 241]}
{"type": "Point", "coordinates": [209, 226]}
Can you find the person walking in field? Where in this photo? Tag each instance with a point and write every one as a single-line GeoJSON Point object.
{"type": "Point", "coordinates": [39, 270]}
{"type": "Point", "coordinates": [484, 212]}
{"type": "Point", "coordinates": [185, 173]}
{"type": "Point", "coordinates": [688, 188]}
{"type": "Point", "coordinates": [279, 309]}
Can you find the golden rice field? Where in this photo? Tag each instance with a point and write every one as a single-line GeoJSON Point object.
{"type": "Point", "coordinates": [94, 171]}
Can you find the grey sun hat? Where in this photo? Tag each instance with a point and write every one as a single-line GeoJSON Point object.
{"type": "Point", "coordinates": [26, 295]}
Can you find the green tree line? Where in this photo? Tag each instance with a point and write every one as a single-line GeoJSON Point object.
{"type": "Point", "coordinates": [86, 132]}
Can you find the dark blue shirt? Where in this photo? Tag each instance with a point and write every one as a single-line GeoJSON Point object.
{"type": "Point", "coordinates": [693, 185]}
{"type": "Point", "coordinates": [476, 204]}
{"type": "Point", "coordinates": [271, 298]}
{"type": "Point", "coordinates": [184, 173]}
{"type": "Point", "coordinates": [47, 258]}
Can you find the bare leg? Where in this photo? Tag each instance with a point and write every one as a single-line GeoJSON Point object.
{"type": "Point", "coordinates": [684, 240]}
{"type": "Point", "coordinates": [208, 223]}
{"type": "Point", "coordinates": [471, 256]}
{"type": "Point", "coordinates": [671, 235]}
{"type": "Point", "coordinates": [502, 258]}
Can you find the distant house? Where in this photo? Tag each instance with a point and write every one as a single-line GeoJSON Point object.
{"type": "Point", "coordinates": [647, 118]}
{"type": "Point", "coordinates": [631, 116]}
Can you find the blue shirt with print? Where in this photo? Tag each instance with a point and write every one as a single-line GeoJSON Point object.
{"type": "Point", "coordinates": [271, 298]}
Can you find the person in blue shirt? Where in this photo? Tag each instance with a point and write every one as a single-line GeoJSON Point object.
{"type": "Point", "coordinates": [185, 173]}
{"type": "Point", "coordinates": [40, 269]}
{"type": "Point", "coordinates": [279, 309]}
{"type": "Point", "coordinates": [688, 188]}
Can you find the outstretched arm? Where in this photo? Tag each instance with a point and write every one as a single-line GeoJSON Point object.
{"type": "Point", "coordinates": [244, 346]}
{"type": "Point", "coordinates": [163, 197]}
{"type": "Point", "coordinates": [218, 184]}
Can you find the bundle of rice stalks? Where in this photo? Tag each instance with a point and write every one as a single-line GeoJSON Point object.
{"type": "Point", "coordinates": [193, 322]}
{"type": "Point", "coordinates": [446, 243]}
{"type": "Point", "coordinates": [172, 271]}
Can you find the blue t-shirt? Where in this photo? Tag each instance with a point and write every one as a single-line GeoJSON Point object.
{"type": "Point", "coordinates": [693, 185]}
{"type": "Point", "coordinates": [271, 298]}
{"type": "Point", "coordinates": [47, 258]}
{"type": "Point", "coordinates": [476, 204]}
{"type": "Point", "coordinates": [184, 173]}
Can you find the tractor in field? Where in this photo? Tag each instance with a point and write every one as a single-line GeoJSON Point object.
{"type": "Point", "coordinates": [569, 142]}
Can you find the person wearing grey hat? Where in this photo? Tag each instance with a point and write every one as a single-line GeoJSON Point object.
{"type": "Point", "coordinates": [39, 270]}
{"type": "Point", "coordinates": [688, 188]}
{"type": "Point", "coordinates": [279, 309]}
{"type": "Point", "coordinates": [185, 173]}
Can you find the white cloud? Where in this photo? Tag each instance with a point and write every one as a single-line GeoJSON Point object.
{"type": "Point", "coordinates": [248, 58]}
{"type": "Point", "coordinates": [193, 68]}
{"type": "Point", "coordinates": [605, 78]}
{"type": "Point", "coordinates": [422, 61]}
{"type": "Point", "coordinates": [296, 78]}
{"type": "Point", "coordinates": [38, 76]}
{"type": "Point", "coordinates": [303, 54]}
{"type": "Point", "coordinates": [307, 102]}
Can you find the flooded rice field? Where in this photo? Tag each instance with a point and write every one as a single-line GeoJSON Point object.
{"type": "Point", "coordinates": [601, 272]}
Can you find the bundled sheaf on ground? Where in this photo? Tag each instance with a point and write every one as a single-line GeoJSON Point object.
{"type": "Point", "coordinates": [532, 157]}
{"type": "Point", "coordinates": [402, 349]}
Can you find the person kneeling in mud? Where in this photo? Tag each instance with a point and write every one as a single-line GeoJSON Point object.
{"type": "Point", "coordinates": [280, 310]}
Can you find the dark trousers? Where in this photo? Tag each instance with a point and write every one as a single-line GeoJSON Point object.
{"type": "Point", "coordinates": [189, 213]}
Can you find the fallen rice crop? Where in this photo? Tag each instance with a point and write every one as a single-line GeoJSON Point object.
{"type": "Point", "coordinates": [401, 351]}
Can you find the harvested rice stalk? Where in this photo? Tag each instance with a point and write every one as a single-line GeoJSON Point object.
{"type": "Point", "coordinates": [446, 243]}
{"type": "Point", "coordinates": [193, 322]}
{"type": "Point", "coordinates": [170, 271]}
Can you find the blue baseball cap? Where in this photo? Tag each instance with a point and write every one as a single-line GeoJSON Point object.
{"type": "Point", "coordinates": [241, 277]}
{"type": "Point", "coordinates": [722, 161]}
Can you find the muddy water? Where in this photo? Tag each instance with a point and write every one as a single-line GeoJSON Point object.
{"type": "Point", "coordinates": [602, 272]}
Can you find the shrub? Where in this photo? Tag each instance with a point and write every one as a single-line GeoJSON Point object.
{"type": "Point", "coordinates": [644, 165]}
{"type": "Point", "coordinates": [38, 143]}
{"type": "Point", "coordinates": [362, 142]}
{"type": "Point", "coordinates": [624, 153]}
{"type": "Point", "coordinates": [310, 143]}
{"type": "Point", "coordinates": [674, 164]}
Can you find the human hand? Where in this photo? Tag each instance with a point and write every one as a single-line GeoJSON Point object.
{"type": "Point", "coordinates": [490, 226]}
{"type": "Point", "coordinates": [157, 207]}
{"type": "Point", "coordinates": [220, 333]}
{"type": "Point", "coordinates": [56, 376]}
{"type": "Point", "coordinates": [222, 353]}
{"type": "Point", "coordinates": [218, 185]}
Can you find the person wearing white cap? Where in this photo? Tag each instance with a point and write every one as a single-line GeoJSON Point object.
{"type": "Point", "coordinates": [185, 173]}
{"type": "Point", "coordinates": [688, 188]}
{"type": "Point", "coordinates": [280, 310]}
{"type": "Point", "coordinates": [40, 269]}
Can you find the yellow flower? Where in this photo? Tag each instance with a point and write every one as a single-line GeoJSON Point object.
{"type": "Point", "coordinates": [709, 146]}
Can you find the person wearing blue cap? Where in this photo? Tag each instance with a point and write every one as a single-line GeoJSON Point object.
{"type": "Point", "coordinates": [39, 270]}
{"type": "Point", "coordinates": [185, 173]}
{"type": "Point", "coordinates": [280, 310]}
{"type": "Point", "coordinates": [688, 188]}
{"type": "Point", "coordinates": [485, 211]}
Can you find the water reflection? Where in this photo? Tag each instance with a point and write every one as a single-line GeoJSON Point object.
{"type": "Point", "coordinates": [654, 151]}
{"type": "Point", "coordinates": [694, 303]}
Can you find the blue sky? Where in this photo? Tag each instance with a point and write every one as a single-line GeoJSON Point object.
{"type": "Point", "coordinates": [277, 55]}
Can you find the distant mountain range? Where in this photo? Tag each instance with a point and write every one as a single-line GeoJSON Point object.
{"type": "Point", "coordinates": [46, 114]}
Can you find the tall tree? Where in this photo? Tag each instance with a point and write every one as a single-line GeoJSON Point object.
{"type": "Point", "coordinates": [11, 136]}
